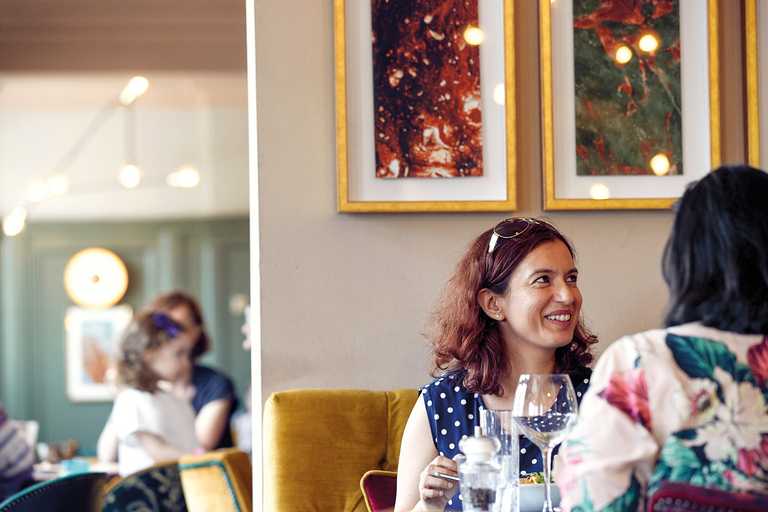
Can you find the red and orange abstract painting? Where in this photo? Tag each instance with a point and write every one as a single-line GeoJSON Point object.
{"type": "Point", "coordinates": [426, 79]}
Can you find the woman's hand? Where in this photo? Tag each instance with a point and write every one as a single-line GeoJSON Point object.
{"type": "Point", "coordinates": [435, 492]}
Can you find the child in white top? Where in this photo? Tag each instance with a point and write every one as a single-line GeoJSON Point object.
{"type": "Point", "coordinates": [152, 424]}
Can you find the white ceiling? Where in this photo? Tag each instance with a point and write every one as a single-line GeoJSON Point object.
{"type": "Point", "coordinates": [186, 118]}
{"type": "Point", "coordinates": [64, 62]}
{"type": "Point", "coordinates": [86, 90]}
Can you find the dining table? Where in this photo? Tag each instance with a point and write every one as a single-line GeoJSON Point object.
{"type": "Point", "coordinates": [44, 471]}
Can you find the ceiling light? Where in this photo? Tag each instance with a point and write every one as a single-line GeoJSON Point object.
{"type": "Point", "coordinates": [185, 177]}
{"type": "Point", "coordinates": [135, 87]}
{"type": "Point", "coordinates": [37, 191]}
{"type": "Point", "coordinates": [130, 176]}
{"type": "Point", "coordinates": [57, 185]}
{"type": "Point", "coordinates": [14, 222]}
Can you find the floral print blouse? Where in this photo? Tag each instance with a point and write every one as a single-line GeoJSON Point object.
{"type": "Point", "coordinates": [684, 404]}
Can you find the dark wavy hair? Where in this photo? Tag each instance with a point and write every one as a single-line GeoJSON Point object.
{"type": "Point", "coordinates": [464, 337]}
{"type": "Point", "coordinates": [716, 259]}
{"type": "Point", "coordinates": [178, 298]}
{"type": "Point", "coordinates": [147, 331]}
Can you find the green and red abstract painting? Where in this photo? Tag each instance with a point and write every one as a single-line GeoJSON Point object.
{"type": "Point", "coordinates": [627, 87]}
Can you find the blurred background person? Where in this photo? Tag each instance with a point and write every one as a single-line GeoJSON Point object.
{"type": "Point", "coordinates": [241, 421]}
{"type": "Point", "coordinates": [16, 457]}
{"type": "Point", "coordinates": [151, 423]}
{"type": "Point", "coordinates": [210, 392]}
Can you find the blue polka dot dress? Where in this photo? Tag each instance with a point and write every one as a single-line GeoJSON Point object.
{"type": "Point", "coordinates": [453, 412]}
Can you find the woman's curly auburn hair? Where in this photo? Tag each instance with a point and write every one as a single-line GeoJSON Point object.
{"type": "Point", "coordinates": [178, 298]}
{"type": "Point", "coordinates": [144, 333]}
{"type": "Point", "coordinates": [464, 337]}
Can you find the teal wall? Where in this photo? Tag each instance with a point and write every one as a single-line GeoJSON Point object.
{"type": "Point", "coordinates": [209, 258]}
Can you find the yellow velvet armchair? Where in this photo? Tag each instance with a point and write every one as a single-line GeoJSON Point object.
{"type": "Point", "coordinates": [220, 480]}
{"type": "Point", "coordinates": [318, 443]}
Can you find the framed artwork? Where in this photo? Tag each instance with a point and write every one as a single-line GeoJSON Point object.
{"type": "Point", "coordinates": [425, 105]}
{"type": "Point", "coordinates": [630, 101]}
{"type": "Point", "coordinates": [756, 43]}
{"type": "Point", "coordinates": [92, 342]}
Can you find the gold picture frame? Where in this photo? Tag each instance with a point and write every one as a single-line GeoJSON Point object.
{"type": "Point", "coordinates": [753, 14]}
{"type": "Point", "coordinates": [556, 195]}
{"type": "Point", "coordinates": [492, 194]}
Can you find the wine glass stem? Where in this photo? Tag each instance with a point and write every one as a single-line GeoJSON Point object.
{"type": "Point", "coordinates": [547, 453]}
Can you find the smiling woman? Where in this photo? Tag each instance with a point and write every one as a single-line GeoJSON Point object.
{"type": "Point", "coordinates": [512, 306]}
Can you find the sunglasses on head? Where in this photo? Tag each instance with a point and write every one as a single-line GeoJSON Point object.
{"type": "Point", "coordinates": [514, 227]}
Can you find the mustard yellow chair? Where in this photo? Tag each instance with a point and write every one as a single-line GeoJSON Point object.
{"type": "Point", "coordinates": [318, 443]}
{"type": "Point", "coordinates": [219, 480]}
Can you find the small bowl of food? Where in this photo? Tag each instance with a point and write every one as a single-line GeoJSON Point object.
{"type": "Point", "coordinates": [532, 493]}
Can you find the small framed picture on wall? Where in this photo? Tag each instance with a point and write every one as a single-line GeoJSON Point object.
{"type": "Point", "coordinates": [92, 347]}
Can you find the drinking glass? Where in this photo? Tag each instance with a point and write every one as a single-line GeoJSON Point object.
{"type": "Point", "coordinates": [500, 424]}
{"type": "Point", "coordinates": [545, 409]}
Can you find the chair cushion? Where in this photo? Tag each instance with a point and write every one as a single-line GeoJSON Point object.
{"type": "Point", "coordinates": [379, 490]}
{"type": "Point", "coordinates": [219, 480]}
{"type": "Point", "coordinates": [319, 442]}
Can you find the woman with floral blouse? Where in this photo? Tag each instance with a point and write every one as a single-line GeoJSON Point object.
{"type": "Point", "coordinates": [688, 403]}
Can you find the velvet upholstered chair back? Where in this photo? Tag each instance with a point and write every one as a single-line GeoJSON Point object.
{"type": "Point", "coordinates": [156, 488]}
{"type": "Point", "coordinates": [319, 443]}
{"type": "Point", "coordinates": [219, 480]}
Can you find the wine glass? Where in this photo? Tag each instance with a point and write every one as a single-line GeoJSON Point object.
{"type": "Point", "coordinates": [545, 409]}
